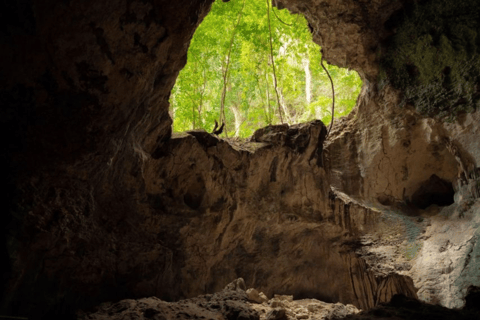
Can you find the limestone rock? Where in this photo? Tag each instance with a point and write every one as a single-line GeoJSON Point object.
{"type": "Point", "coordinates": [236, 285]}
{"type": "Point", "coordinates": [342, 45]}
{"type": "Point", "coordinates": [226, 304]}
{"type": "Point", "coordinates": [302, 316]}
{"type": "Point", "coordinates": [403, 308]}
{"type": "Point", "coordinates": [296, 137]}
{"type": "Point", "coordinates": [283, 297]}
{"type": "Point", "coordinates": [255, 296]}
{"type": "Point", "coordinates": [276, 314]}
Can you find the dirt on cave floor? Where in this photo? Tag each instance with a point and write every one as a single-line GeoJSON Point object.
{"type": "Point", "coordinates": [234, 302]}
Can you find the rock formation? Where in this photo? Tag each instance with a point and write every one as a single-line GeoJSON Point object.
{"type": "Point", "coordinates": [230, 304]}
{"type": "Point", "coordinates": [235, 304]}
{"type": "Point", "coordinates": [104, 204]}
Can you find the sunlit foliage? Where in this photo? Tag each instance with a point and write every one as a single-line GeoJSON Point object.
{"type": "Point", "coordinates": [251, 103]}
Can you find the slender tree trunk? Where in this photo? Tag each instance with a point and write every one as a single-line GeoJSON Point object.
{"type": "Point", "coordinates": [269, 112]}
{"type": "Point", "coordinates": [225, 72]}
{"type": "Point", "coordinates": [273, 63]}
{"type": "Point", "coordinates": [288, 118]}
{"type": "Point", "coordinates": [263, 104]}
{"type": "Point", "coordinates": [308, 80]}
{"type": "Point", "coordinates": [202, 95]}
{"type": "Point", "coordinates": [238, 119]}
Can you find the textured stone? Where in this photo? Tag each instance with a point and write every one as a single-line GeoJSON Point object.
{"type": "Point", "coordinates": [226, 304]}
{"type": "Point", "coordinates": [255, 296]}
{"type": "Point", "coordinates": [86, 88]}
{"type": "Point", "coordinates": [276, 314]}
{"type": "Point", "coordinates": [283, 297]}
{"type": "Point", "coordinates": [237, 284]}
{"type": "Point", "coordinates": [403, 308]}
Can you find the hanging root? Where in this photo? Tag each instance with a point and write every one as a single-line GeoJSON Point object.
{"type": "Point", "coordinates": [273, 64]}
{"type": "Point", "coordinates": [333, 93]}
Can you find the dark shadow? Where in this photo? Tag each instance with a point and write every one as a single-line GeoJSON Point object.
{"type": "Point", "coordinates": [472, 300]}
{"type": "Point", "coordinates": [433, 191]}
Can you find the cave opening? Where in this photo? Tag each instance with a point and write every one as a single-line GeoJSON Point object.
{"type": "Point", "coordinates": [252, 65]}
{"type": "Point", "coordinates": [436, 191]}
{"type": "Point", "coordinates": [103, 205]}
{"type": "Point", "coordinates": [472, 299]}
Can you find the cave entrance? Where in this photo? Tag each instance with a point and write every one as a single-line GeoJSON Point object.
{"type": "Point", "coordinates": [230, 59]}
{"type": "Point", "coordinates": [433, 191]}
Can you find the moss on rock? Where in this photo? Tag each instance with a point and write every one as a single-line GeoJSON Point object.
{"type": "Point", "coordinates": [434, 56]}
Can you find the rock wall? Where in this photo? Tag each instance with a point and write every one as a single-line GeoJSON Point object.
{"type": "Point", "coordinates": [265, 204]}
{"type": "Point", "coordinates": [408, 133]}
{"type": "Point", "coordinates": [105, 204]}
{"type": "Point", "coordinates": [85, 87]}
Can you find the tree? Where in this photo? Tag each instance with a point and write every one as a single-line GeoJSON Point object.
{"type": "Point", "coordinates": [244, 93]}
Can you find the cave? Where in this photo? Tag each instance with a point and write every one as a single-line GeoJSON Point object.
{"type": "Point", "coordinates": [433, 191]}
{"type": "Point", "coordinates": [109, 214]}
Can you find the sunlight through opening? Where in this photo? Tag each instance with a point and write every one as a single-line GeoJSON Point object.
{"type": "Point", "coordinates": [230, 64]}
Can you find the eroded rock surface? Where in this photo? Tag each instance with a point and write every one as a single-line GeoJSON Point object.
{"type": "Point", "coordinates": [84, 95]}
{"type": "Point", "coordinates": [257, 209]}
{"type": "Point", "coordinates": [403, 308]}
{"type": "Point", "coordinates": [227, 304]}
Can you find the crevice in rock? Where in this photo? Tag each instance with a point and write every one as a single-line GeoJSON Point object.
{"type": "Point", "coordinates": [433, 191]}
{"type": "Point", "coordinates": [472, 300]}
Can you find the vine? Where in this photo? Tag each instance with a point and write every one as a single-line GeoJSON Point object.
{"type": "Point", "coordinates": [273, 64]}
{"type": "Point", "coordinates": [333, 92]}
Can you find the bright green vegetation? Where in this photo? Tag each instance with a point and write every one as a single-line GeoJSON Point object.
{"type": "Point", "coordinates": [434, 57]}
{"type": "Point", "coordinates": [303, 87]}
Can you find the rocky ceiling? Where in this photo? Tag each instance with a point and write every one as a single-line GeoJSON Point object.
{"type": "Point", "coordinates": [103, 203]}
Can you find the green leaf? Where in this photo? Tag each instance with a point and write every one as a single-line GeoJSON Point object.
{"type": "Point", "coordinates": [195, 99]}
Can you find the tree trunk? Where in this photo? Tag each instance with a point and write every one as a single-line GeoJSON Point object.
{"type": "Point", "coordinates": [238, 119]}
{"type": "Point", "coordinates": [202, 95]}
{"type": "Point", "coordinates": [285, 108]}
{"type": "Point", "coordinates": [225, 72]}
{"type": "Point", "coordinates": [268, 111]}
{"type": "Point", "coordinates": [308, 80]}
{"type": "Point", "coordinates": [193, 116]}
{"type": "Point", "coordinates": [273, 64]}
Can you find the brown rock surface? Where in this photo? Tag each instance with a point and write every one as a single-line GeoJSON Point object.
{"type": "Point", "coordinates": [86, 87]}
{"type": "Point", "coordinates": [223, 305]}
{"type": "Point", "coordinates": [348, 31]}
{"type": "Point", "coordinates": [403, 308]}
